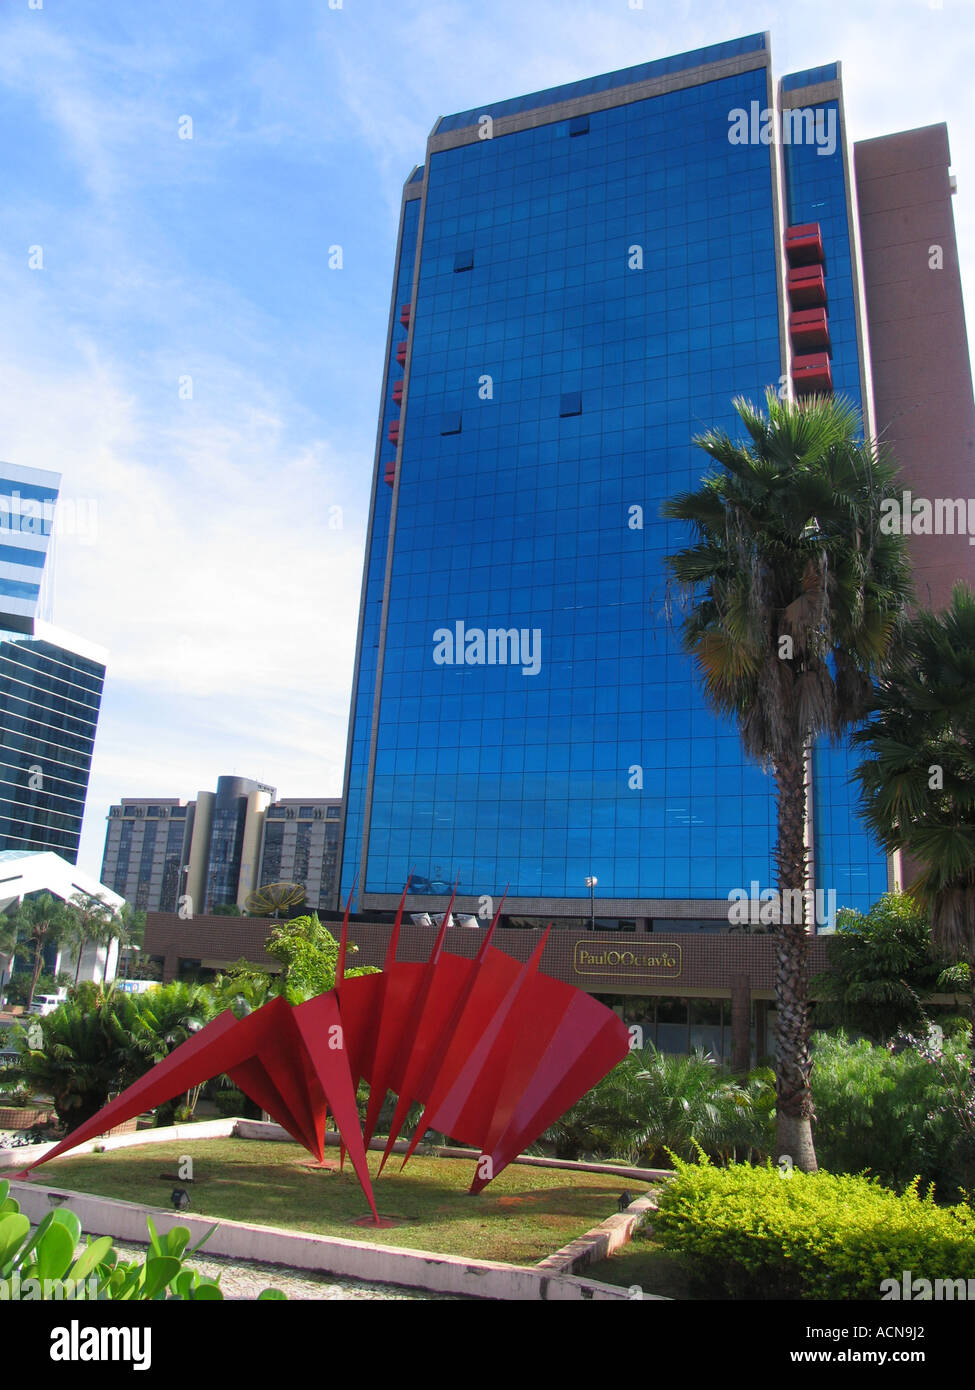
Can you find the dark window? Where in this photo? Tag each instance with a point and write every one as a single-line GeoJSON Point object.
{"type": "Point", "coordinates": [571, 403]}
{"type": "Point", "coordinates": [464, 260]}
{"type": "Point", "coordinates": [450, 422]}
{"type": "Point", "coordinates": [579, 125]}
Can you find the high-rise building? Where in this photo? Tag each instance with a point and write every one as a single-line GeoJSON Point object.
{"type": "Point", "coordinates": [585, 278]}
{"type": "Point", "coordinates": [301, 842]}
{"type": "Point", "coordinates": [147, 851]}
{"type": "Point", "coordinates": [50, 681]}
{"type": "Point", "coordinates": [162, 853]}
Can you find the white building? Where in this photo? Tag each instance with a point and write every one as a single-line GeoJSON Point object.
{"type": "Point", "coordinates": [23, 873]}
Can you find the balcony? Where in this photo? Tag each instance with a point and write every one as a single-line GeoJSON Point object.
{"type": "Point", "coordinates": [811, 374]}
{"type": "Point", "coordinates": [809, 330]}
{"type": "Point", "coordinates": [804, 244]}
{"type": "Point", "coordinates": [807, 286]}
{"type": "Point", "coordinates": [401, 353]}
{"type": "Point", "coordinates": [404, 315]}
{"type": "Point", "coordinates": [389, 474]}
{"type": "Point", "coordinates": [398, 392]}
{"type": "Point", "coordinates": [394, 431]}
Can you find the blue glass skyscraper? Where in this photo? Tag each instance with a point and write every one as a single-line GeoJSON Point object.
{"type": "Point", "coordinates": [585, 279]}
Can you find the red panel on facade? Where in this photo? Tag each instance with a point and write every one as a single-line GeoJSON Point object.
{"type": "Point", "coordinates": [804, 244]}
{"type": "Point", "coordinates": [390, 474]}
{"type": "Point", "coordinates": [398, 392]}
{"type": "Point", "coordinates": [394, 431]}
{"type": "Point", "coordinates": [404, 315]}
{"type": "Point", "coordinates": [807, 286]}
{"type": "Point", "coordinates": [809, 330]}
{"type": "Point", "coordinates": [401, 352]}
{"type": "Point", "coordinates": [811, 373]}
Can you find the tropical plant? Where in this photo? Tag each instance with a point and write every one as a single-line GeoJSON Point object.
{"type": "Point", "coordinates": [795, 594]}
{"type": "Point", "coordinates": [79, 1058]}
{"type": "Point", "coordinates": [91, 921]}
{"type": "Point", "coordinates": [102, 1040]}
{"type": "Point", "coordinates": [41, 921]}
{"type": "Point", "coordinates": [918, 781]}
{"type": "Point", "coordinates": [309, 954]}
{"type": "Point", "coordinates": [896, 1111]}
{"type": "Point", "coordinates": [653, 1104]}
{"type": "Point", "coordinates": [274, 898]}
{"type": "Point", "coordinates": [243, 987]}
{"type": "Point", "coordinates": [880, 968]}
{"type": "Point", "coordinates": [44, 1265]}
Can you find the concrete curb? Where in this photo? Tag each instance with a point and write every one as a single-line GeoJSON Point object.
{"type": "Point", "coordinates": [206, 1129]}
{"type": "Point", "coordinates": [381, 1264]}
{"type": "Point", "coordinates": [268, 1131]}
{"type": "Point", "coordinates": [601, 1241]}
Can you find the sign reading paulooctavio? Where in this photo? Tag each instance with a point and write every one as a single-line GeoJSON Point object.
{"type": "Point", "coordinates": [662, 963]}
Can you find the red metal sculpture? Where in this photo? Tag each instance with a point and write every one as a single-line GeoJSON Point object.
{"type": "Point", "coordinates": [493, 1050]}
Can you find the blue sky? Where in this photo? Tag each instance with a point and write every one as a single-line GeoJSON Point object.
{"type": "Point", "coordinates": [223, 567]}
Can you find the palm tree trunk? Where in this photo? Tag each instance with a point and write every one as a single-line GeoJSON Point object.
{"type": "Point", "coordinates": [793, 1110]}
{"type": "Point", "coordinates": [38, 962]}
{"type": "Point", "coordinates": [971, 1040]}
{"type": "Point", "coordinates": [81, 952]}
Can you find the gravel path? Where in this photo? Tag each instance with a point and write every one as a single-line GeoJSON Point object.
{"type": "Point", "coordinates": [244, 1279]}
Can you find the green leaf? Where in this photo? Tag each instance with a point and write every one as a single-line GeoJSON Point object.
{"type": "Point", "coordinates": [176, 1240]}
{"type": "Point", "coordinates": [54, 1252]}
{"type": "Point", "coordinates": [90, 1258]}
{"type": "Point", "coordinates": [13, 1229]}
{"type": "Point", "coordinates": [153, 1237]}
{"type": "Point", "coordinates": [184, 1283]}
{"type": "Point", "coordinates": [207, 1293]}
{"type": "Point", "coordinates": [159, 1272]}
{"type": "Point", "coordinates": [203, 1239]}
{"type": "Point", "coordinates": [269, 1295]}
{"type": "Point", "coordinates": [64, 1216]}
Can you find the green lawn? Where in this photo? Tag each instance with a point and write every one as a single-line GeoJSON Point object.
{"type": "Point", "coordinates": [642, 1264]}
{"type": "Point", "coordinates": [525, 1214]}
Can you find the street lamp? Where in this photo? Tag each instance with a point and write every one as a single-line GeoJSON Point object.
{"type": "Point", "coordinates": [591, 885]}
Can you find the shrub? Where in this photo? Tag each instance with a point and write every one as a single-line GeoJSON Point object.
{"type": "Point", "coordinates": [753, 1232]}
{"type": "Point", "coordinates": [653, 1103]}
{"type": "Point", "coordinates": [894, 1113]}
{"type": "Point", "coordinates": [880, 963]}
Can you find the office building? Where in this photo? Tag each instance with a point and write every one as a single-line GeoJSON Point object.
{"type": "Point", "coordinates": [585, 278]}
{"type": "Point", "coordinates": [301, 842]}
{"type": "Point", "coordinates": [50, 681]}
{"type": "Point", "coordinates": [162, 854]}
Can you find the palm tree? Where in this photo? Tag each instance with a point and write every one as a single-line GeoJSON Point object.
{"type": "Point", "coordinates": [129, 928]}
{"type": "Point", "coordinates": [42, 921]}
{"type": "Point", "coordinates": [795, 596]}
{"type": "Point", "coordinates": [919, 780]}
{"type": "Point", "coordinates": [92, 922]}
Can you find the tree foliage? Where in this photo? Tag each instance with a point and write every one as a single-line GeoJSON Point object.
{"type": "Point", "coordinates": [795, 596]}
{"type": "Point", "coordinates": [881, 969]}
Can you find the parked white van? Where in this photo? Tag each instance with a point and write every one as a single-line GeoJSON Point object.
{"type": "Point", "coordinates": [44, 1004]}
